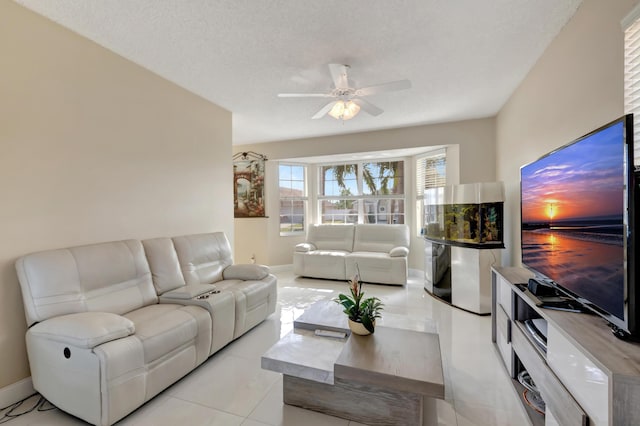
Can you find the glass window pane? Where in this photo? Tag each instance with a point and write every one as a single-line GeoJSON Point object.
{"type": "Point", "coordinates": [383, 178]}
{"type": "Point", "coordinates": [297, 188]}
{"type": "Point", "coordinates": [297, 173]}
{"type": "Point", "coordinates": [297, 223]}
{"type": "Point", "coordinates": [397, 210]}
{"type": "Point", "coordinates": [285, 227]}
{"type": "Point", "coordinates": [384, 210]}
{"type": "Point", "coordinates": [292, 215]}
{"type": "Point", "coordinates": [285, 208]}
{"type": "Point", "coordinates": [292, 185]}
{"type": "Point", "coordinates": [339, 211]}
{"type": "Point", "coordinates": [339, 180]}
{"type": "Point", "coordinates": [284, 172]}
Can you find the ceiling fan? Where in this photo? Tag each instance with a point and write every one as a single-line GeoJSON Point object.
{"type": "Point", "coordinates": [348, 100]}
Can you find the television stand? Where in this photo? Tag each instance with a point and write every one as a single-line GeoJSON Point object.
{"type": "Point", "coordinates": [587, 375]}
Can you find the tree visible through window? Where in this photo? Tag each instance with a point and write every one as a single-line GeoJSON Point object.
{"type": "Point", "coordinates": [365, 192]}
{"type": "Point", "coordinates": [293, 198]}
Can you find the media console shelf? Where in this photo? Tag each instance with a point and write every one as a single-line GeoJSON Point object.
{"type": "Point", "coordinates": [587, 376]}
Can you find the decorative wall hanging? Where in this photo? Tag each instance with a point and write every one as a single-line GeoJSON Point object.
{"type": "Point", "coordinates": [248, 184]}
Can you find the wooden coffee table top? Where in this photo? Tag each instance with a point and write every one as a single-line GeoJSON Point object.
{"type": "Point", "coordinates": [404, 360]}
{"type": "Point", "coordinates": [325, 315]}
{"type": "Point", "coordinates": [302, 354]}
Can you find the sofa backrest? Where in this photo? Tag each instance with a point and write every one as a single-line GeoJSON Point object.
{"type": "Point", "coordinates": [163, 261]}
{"type": "Point", "coordinates": [380, 238]}
{"type": "Point", "coordinates": [203, 257]}
{"type": "Point", "coordinates": [331, 237]}
{"type": "Point", "coordinates": [107, 277]}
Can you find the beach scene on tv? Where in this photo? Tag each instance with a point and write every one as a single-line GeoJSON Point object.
{"type": "Point", "coordinates": [573, 204]}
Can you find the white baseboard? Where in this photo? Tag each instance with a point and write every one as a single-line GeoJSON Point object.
{"type": "Point", "coordinates": [16, 392]}
{"type": "Point", "coordinates": [281, 268]}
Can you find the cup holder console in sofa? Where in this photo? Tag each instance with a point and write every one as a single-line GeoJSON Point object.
{"type": "Point", "coordinates": [113, 324]}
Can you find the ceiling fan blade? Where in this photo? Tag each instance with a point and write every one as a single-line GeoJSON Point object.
{"type": "Point", "coordinates": [325, 109]}
{"type": "Point", "coordinates": [304, 95]}
{"type": "Point", "coordinates": [368, 107]}
{"type": "Point", "coordinates": [339, 75]}
{"type": "Point", "coordinates": [384, 87]}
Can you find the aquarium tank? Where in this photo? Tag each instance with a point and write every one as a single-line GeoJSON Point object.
{"type": "Point", "coordinates": [468, 215]}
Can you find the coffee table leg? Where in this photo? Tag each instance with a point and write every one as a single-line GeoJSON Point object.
{"type": "Point", "coordinates": [361, 403]}
{"type": "Point", "coordinates": [429, 412]}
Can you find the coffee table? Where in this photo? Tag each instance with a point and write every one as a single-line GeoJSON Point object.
{"type": "Point", "coordinates": [393, 376]}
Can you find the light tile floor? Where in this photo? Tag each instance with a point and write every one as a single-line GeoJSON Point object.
{"type": "Point", "coordinates": [231, 389]}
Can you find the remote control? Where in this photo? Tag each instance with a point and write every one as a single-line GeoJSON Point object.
{"type": "Point", "coordinates": [329, 333]}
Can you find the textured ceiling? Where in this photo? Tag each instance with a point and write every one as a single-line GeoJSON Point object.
{"type": "Point", "coordinates": [464, 57]}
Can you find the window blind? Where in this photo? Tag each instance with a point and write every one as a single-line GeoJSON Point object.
{"type": "Point", "coordinates": [430, 172]}
{"type": "Point", "coordinates": [632, 76]}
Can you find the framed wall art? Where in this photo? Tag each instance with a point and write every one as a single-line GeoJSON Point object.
{"type": "Point", "coordinates": [248, 184]}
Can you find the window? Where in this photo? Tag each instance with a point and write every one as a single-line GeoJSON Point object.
{"type": "Point", "coordinates": [430, 173]}
{"type": "Point", "coordinates": [293, 198]}
{"type": "Point", "coordinates": [631, 25]}
{"type": "Point", "coordinates": [363, 192]}
{"type": "Point", "coordinates": [338, 187]}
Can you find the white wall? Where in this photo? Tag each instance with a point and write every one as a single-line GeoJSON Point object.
{"type": "Point", "coordinates": [95, 148]}
{"type": "Point", "coordinates": [473, 146]}
{"type": "Point", "coordinates": [575, 87]}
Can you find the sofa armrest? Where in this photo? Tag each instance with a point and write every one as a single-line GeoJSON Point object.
{"type": "Point", "coordinates": [84, 329]}
{"type": "Point", "coordinates": [305, 247]}
{"type": "Point", "coordinates": [245, 272]}
{"type": "Point", "coordinates": [399, 252]}
{"type": "Point", "coordinates": [189, 291]}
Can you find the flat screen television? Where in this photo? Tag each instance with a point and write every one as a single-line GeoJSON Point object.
{"type": "Point", "coordinates": [578, 215]}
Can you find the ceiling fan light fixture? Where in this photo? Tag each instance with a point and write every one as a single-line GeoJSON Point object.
{"type": "Point", "coordinates": [346, 101]}
{"type": "Point", "coordinates": [344, 110]}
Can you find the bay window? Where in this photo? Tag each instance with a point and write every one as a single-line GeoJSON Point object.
{"type": "Point", "coordinates": [362, 192]}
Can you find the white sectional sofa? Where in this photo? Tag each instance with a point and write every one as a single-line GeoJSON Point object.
{"type": "Point", "coordinates": [335, 251]}
{"type": "Point", "coordinates": [113, 324]}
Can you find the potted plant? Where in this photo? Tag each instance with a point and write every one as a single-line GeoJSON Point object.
{"type": "Point", "coordinates": [362, 313]}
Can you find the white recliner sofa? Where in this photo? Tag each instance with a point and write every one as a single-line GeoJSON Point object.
{"type": "Point", "coordinates": [113, 324]}
{"type": "Point", "coordinates": [338, 252]}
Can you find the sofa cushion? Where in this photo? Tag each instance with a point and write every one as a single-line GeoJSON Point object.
{"type": "Point", "coordinates": [380, 238]}
{"type": "Point", "coordinates": [254, 300]}
{"type": "Point", "coordinates": [327, 264]}
{"type": "Point", "coordinates": [203, 257]}
{"type": "Point", "coordinates": [163, 328]}
{"type": "Point", "coordinates": [84, 329]}
{"type": "Point", "coordinates": [399, 252]}
{"type": "Point", "coordinates": [305, 247]}
{"type": "Point", "coordinates": [331, 237]}
{"type": "Point", "coordinates": [377, 267]}
{"type": "Point", "coordinates": [245, 272]}
{"type": "Point", "coordinates": [164, 265]}
{"type": "Point", "coordinates": [255, 292]}
{"type": "Point", "coordinates": [106, 277]}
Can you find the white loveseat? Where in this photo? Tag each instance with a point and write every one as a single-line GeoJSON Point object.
{"type": "Point", "coordinates": [113, 324]}
{"type": "Point", "coordinates": [336, 252]}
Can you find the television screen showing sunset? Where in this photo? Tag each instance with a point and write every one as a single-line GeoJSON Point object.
{"type": "Point", "coordinates": [573, 205]}
{"type": "Point", "coordinates": [584, 180]}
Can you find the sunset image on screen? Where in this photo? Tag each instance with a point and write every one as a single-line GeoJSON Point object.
{"type": "Point", "coordinates": [580, 183]}
{"type": "Point", "coordinates": [573, 204]}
